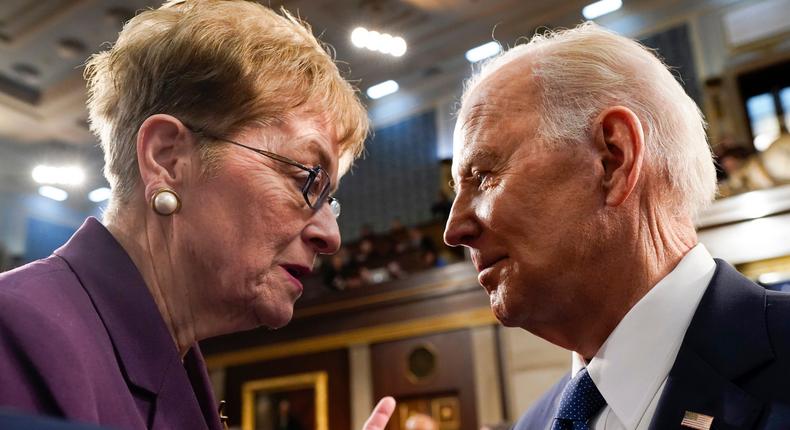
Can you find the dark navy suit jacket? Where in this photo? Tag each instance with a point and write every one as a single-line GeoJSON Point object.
{"type": "Point", "coordinates": [14, 421]}
{"type": "Point", "coordinates": [81, 338]}
{"type": "Point", "coordinates": [733, 364]}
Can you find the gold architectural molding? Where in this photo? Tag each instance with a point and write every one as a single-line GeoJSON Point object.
{"type": "Point", "coordinates": [381, 333]}
{"type": "Point", "coordinates": [754, 269]}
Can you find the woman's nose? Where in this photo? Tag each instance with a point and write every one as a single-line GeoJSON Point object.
{"type": "Point", "coordinates": [323, 233]}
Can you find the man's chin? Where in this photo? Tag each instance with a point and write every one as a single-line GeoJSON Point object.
{"type": "Point", "coordinates": [501, 313]}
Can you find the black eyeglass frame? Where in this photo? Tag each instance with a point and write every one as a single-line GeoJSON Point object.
{"type": "Point", "coordinates": [313, 173]}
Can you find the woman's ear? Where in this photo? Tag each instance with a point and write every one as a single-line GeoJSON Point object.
{"type": "Point", "coordinates": [620, 142]}
{"type": "Point", "coordinates": [165, 147]}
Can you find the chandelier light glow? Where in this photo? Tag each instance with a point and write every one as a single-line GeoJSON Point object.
{"type": "Point", "coordinates": [380, 42]}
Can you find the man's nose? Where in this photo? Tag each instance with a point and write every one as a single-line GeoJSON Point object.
{"type": "Point", "coordinates": [461, 228]}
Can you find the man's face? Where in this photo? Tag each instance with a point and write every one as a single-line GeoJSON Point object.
{"type": "Point", "coordinates": [528, 213]}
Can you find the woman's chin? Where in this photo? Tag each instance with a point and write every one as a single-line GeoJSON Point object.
{"type": "Point", "coordinates": [274, 319]}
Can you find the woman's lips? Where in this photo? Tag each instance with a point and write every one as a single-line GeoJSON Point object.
{"type": "Point", "coordinates": [294, 273]}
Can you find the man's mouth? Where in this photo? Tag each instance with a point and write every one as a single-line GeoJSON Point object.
{"type": "Point", "coordinates": [482, 264]}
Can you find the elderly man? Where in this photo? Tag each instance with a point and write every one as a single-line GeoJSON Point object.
{"type": "Point", "coordinates": [579, 165]}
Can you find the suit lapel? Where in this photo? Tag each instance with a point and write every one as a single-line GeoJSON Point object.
{"type": "Point", "coordinates": [693, 386]}
{"type": "Point", "coordinates": [726, 339]}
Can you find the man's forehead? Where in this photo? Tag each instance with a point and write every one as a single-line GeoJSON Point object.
{"type": "Point", "coordinates": [485, 126]}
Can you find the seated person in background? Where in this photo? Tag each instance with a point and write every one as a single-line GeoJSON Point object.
{"type": "Point", "coordinates": [226, 128]}
{"type": "Point", "coordinates": [440, 209]}
{"type": "Point", "coordinates": [397, 236]}
{"type": "Point", "coordinates": [743, 170]}
{"type": "Point", "coordinates": [418, 252]}
{"type": "Point", "coordinates": [579, 165]}
{"type": "Point", "coordinates": [421, 422]}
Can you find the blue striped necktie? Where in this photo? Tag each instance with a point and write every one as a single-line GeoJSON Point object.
{"type": "Point", "coordinates": [579, 403]}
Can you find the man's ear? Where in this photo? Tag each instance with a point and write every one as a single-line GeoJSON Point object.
{"type": "Point", "coordinates": [620, 142]}
{"type": "Point", "coordinates": [164, 150]}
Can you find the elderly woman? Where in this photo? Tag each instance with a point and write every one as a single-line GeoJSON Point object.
{"type": "Point", "coordinates": [226, 128]}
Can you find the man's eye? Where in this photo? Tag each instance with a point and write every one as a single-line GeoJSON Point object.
{"type": "Point", "coordinates": [481, 178]}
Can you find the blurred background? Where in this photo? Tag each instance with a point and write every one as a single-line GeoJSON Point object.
{"type": "Point", "coordinates": [395, 311]}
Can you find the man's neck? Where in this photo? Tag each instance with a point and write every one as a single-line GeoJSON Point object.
{"type": "Point", "coordinates": [634, 271]}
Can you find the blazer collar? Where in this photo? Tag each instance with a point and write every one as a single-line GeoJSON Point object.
{"type": "Point", "coordinates": [141, 339]}
{"type": "Point", "coordinates": [726, 339]}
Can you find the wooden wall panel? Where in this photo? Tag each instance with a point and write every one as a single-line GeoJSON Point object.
{"type": "Point", "coordinates": [453, 375]}
{"type": "Point", "coordinates": [335, 363]}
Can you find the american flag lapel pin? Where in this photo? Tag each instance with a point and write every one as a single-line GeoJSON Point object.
{"type": "Point", "coordinates": [696, 421]}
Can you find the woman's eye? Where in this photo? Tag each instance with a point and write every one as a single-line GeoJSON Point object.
{"type": "Point", "coordinates": [301, 177]}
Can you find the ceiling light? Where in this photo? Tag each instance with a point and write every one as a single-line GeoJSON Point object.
{"type": "Point", "coordinates": [372, 40]}
{"type": "Point", "coordinates": [601, 8]}
{"type": "Point", "coordinates": [398, 47]}
{"type": "Point", "coordinates": [483, 51]}
{"type": "Point", "coordinates": [385, 43]}
{"type": "Point", "coordinates": [359, 36]}
{"type": "Point", "coordinates": [99, 194]}
{"type": "Point", "coordinates": [380, 42]}
{"type": "Point", "coordinates": [383, 89]}
{"type": "Point", "coordinates": [71, 175]}
{"type": "Point", "coordinates": [53, 193]}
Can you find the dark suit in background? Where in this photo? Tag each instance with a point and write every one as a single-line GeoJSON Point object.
{"type": "Point", "coordinates": [81, 338]}
{"type": "Point", "coordinates": [13, 421]}
{"type": "Point", "coordinates": [732, 364]}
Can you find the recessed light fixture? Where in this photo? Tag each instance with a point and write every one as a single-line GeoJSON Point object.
{"type": "Point", "coordinates": [381, 42]}
{"type": "Point", "coordinates": [99, 194]}
{"type": "Point", "coordinates": [483, 51]}
{"type": "Point", "coordinates": [601, 8]}
{"type": "Point", "coordinates": [383, 89]}
{"type": "Point", "coordinates": [70, 48]}
{"type": "Point", "coordinates": [53, 193]}
{"type": "Point", "coordinates": [70, 175]}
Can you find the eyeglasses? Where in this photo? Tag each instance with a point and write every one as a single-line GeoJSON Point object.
{"type": "Point", "coordinates": [316, 187]}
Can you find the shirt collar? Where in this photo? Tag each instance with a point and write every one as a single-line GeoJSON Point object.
{"type": "Point", "coordinates": [636, 358]}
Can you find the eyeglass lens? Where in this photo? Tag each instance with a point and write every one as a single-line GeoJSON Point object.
{"type": "Point", "coordinates": [317, 190]}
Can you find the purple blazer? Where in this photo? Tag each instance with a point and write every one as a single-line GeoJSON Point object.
{"type": "Point", "coordinates": [81, 338]}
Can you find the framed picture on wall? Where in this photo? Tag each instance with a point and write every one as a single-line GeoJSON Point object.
{"type": "Point", "coordinates": [291, 402]}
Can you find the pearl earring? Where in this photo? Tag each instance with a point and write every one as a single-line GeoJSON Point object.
{"type": "Point", "coordinates": [165, 202]}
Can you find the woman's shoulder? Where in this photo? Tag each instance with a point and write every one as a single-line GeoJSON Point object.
{"type": "Point", "coordinates": [44, 299]}
{"type": "Point", "coordinates": [29, 279]}
{"type": "Point", "coordinates": [52, 341]}
{"type": "Point", "coordinates": [43, 287]}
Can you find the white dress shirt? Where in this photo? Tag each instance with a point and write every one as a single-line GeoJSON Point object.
{"type": "Point", "coordinates": [631, 368]}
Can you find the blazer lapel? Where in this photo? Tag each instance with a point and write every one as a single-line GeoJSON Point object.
{"type": "Point", "coordinates": [726, 339]}
{"type": "Point", "coordinates": [176, 404]}
{"type": "Point", "coordinates": [143, 346]}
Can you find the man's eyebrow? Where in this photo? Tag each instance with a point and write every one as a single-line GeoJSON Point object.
{"type": "Point", "coordinates": [479, 156]}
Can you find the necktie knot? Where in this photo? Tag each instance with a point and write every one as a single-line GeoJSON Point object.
{"type": "Point", "coordinates": [580, 401]}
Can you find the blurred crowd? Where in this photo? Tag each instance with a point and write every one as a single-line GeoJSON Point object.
{"type": "Point", "coordinates": [741, 168]}
{"type": "Point", "coordinates": [380, 257]}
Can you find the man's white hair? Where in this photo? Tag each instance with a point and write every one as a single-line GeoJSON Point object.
{"type": "Point", "coordinates": [582, 71]}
